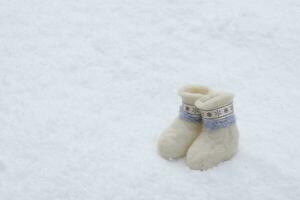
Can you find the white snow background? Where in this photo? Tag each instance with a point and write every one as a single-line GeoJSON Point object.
{"type": "Point", "coordinates": [87, 86]}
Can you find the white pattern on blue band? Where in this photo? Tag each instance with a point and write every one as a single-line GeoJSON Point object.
{"type": "Point", "coordinates": [190, 113]}
{"type": "Point", "coordinates": [213, 124]}
{"type": "Point", "coordinates": [218, 118]}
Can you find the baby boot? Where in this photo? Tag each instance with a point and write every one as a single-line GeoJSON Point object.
{"type": "Point", "coordinates": [218, 140]}
{"type": "Point", "coordinates": [176, 139]}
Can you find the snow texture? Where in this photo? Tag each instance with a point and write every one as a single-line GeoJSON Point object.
{"type": "Point", "coordinates": [87, 86]}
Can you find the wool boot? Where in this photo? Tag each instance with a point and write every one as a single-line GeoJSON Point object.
{"type": "Point", "coordinates": [176, 139]}
{"type": "Point", "coordinates": [218, 140]}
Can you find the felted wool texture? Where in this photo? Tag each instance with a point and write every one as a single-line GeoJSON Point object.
{"type": "Point", "coordinates": [213, 146]}
{"type": "Point", "coordinates": [175, 140]}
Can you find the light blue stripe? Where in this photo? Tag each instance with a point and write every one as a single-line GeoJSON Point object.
{"type": "Point", "coordinates": [213, 124]}
{"type": "Point", "coordinates": [189, 117]}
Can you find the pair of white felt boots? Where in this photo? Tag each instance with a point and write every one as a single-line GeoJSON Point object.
{"type": "Point", "coordinates": [205, 130]}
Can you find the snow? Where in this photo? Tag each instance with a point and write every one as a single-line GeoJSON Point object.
{"type": "Point", "coordinates": [87, 86]}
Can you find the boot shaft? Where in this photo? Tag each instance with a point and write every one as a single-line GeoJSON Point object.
{"type": "Point", "coordinates": [190, 94]}
{"type": "Point", "coordinates": [217, 112]}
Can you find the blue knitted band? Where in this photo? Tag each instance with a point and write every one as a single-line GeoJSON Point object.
{"type": "Point", "coordinates": [190, 113]}
{"type": "Point", "coordinates": [221, 117]}
{"type": "Point", "coordinates": [213, 124]}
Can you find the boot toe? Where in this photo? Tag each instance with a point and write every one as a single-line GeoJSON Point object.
{"type": "Point", "coordinates": [170, 148]}
{"type": "Point", "coordinates": [200, 161]}
{"type": "Point", "coordinates": [201, 157]}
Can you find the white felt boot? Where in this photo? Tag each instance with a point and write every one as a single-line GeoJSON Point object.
{"type": "Point", "coordinates": [176, 139]}
{"type": "Point", "coordinates": [218, 140]}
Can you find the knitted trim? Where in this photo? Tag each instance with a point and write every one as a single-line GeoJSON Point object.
{"type": "Point", "coordinates": [218, 118]}
{"type": "Point", "coordinates": [190, 113]}
{"type": "Point", "coordinates": [219, 123]}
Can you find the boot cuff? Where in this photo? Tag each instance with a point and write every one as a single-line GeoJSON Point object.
{"type": "Point", "coordinates": [190, 93]}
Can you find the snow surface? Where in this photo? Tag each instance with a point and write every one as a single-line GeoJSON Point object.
{"type": "Point", "coordinates": [87, 86]}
